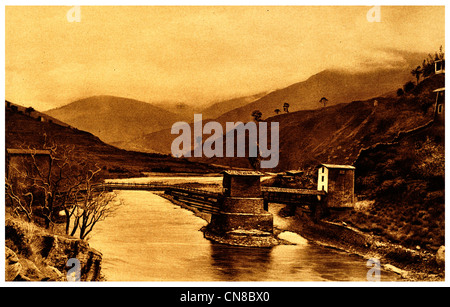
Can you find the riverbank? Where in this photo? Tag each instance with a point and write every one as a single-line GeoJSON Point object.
{"type": "Point", "coordinates": [410, 264]}
{"type": "Point", "coordinates": [152, 239]}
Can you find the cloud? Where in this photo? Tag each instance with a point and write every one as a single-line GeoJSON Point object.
{"type": "Point", "coordinates": [200, 54]}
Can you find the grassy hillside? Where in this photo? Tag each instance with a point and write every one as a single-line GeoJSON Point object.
{"type": "Point", "coordinates": [400, 175]}
{"type": "Point", "coordinates": [407, 182]}
{"type": "Point", "coordinates": [337, 86]}
{"type": "Point", "coordinates": [217, 109]}
{"type": "Point", "coordinates": [115, 119]}
{"type": "Point", "coordinates": [336, 134]}
{"type": "Point", "coordinates": [31, 112]}
{"type": "Point", "coordinates": [22, 130]}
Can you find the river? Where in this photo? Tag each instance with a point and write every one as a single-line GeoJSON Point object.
{"type": "Point", "coordinates": [150, 239]}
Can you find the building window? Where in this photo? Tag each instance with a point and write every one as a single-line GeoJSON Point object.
{"type": "Point", "coordinates": [323, 178]}
{"type": "Point", "coordinates": [439, 66]}
{"type": "Point", "coordinates": [440, 109]}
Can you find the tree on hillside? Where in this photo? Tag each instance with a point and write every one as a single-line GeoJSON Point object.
{"type": "Point", "coordinates": [257, 115]}
{"type": "Point", "coordinates": [408, 87]}
{"type": "Point", "coordinates": [428, 63]}
{"type": "Point", "coordinates": [400, 92]}
{"type": "Point", "coordinates": [29, 110]}
{"type": "Point", "coordinates": [42, 182]}
{"type": "Point", "coordinates": [39, 191]}
{"type": "Point", "coordinates": [91, 205]}
{"type": "Point", "coordinates": [324, 101]}
{"type": "Point", "coordinates": [277, 111]}
{"type": "Point", "coordinates": [286, 107]}
{"type": "Point", "coordinates": [417, 72]}
{"type": "Point", "coordinates": [181, 106]}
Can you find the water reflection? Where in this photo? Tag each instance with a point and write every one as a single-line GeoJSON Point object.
{"type": "Point", "coordinates": [232, 263]}
{"type": "Point", "coordinates": [288, 263]}
{"type": "Point", "coordinates": [151, 239]}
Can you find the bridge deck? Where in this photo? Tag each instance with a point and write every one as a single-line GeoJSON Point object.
{"type": "Point", "coordinates": [152, 187]}
{"type": "Point", "coordinates": [293, 191]}
{"type": "Point", "coordinates": [135, 186]}
{"type": "Point", "coordinates": [210, 199]}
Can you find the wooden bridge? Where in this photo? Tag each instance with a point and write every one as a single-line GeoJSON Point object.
{"type": "Point", "coordinates": [206, 201]}
{"type": "Point", "coordinates": [134, 186]}
{"type": "Point", "coordinates": [209, 201]}
{"type": "Point", "coordinates": [290, 196]}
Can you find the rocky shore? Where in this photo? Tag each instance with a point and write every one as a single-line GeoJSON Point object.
{"type": "Point", "coordinates": [34, 254]}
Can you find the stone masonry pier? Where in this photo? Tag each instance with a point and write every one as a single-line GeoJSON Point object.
{"type": "Point", "coordinates": [241, 219]}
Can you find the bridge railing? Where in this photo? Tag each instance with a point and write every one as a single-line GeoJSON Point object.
{"type": "Point", "coordinates": [134, 184]}
{"type": "Point", "coordinates": [153, 186]}
{"type": "Point", "coordinates": [292, 191]}
{"type": "Point", "coordinates": [271, 194]}
{"type": "Point", "coordinates": [201, 199]}
{"type": "Point", "coordinates": [195, 190]}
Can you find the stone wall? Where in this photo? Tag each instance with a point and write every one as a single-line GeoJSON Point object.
{"type": "Point", "coordinates": [341, 187]}
{"type": "Point", "coordinates": [244, 186]}
{"type": "Point", "coordinates": [228, 222]}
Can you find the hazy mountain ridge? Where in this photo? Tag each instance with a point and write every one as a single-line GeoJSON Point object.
{"type": "Point", "coordinates": [23, 131]}
{"type": "Point", "coordinates": [336, 134]}
{"type": "Point", "coordinates": [115, 119]}
{"type": "Point", "coordinates": [336, 86]}
{"type": "Point", "coordinates": [217, 109]}
{"type": "Point", "coordinates": [137, 125]}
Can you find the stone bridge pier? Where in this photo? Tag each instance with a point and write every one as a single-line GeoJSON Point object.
{"type": "Point", "coordinates": [242, 219]}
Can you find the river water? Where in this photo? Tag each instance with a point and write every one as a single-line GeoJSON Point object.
{"type": "Point", "coordinates": [150, 239]}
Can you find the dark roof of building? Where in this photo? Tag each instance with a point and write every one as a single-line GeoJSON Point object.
{"type": "Point", "coordinates": [337, 166]}
{"type": "Point", "coordinates": [242, 173]}
{"type": "Point", "coordinates": [20, 151]}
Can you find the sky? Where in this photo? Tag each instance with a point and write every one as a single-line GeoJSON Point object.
{"type": "Point", "coordinates": [199, 54]}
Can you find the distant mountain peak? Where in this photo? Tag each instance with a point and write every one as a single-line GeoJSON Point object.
{"type": "Point", "coordinates": [115, 119]}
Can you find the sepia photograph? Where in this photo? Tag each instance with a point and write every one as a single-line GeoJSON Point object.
{"type": "Point", "coordinates": [208, 143]}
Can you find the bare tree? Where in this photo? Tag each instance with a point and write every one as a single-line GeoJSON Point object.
{"type": "Point", "coordinates": [52, 183]}
{"type": "Point", "coordinates": [21, 202]}
{"type": "Point", "coordinates": [76, 195]}
{"type": "Point", "coordinates": [39, 181]}
{"type": "Point", "coordinates": [38, 191]}
{"type": "Point", "coordinates": [95, 209]}
{"type": "Point", "coordinates": [92, 204]}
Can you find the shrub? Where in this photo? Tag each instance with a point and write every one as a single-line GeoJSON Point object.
{"type": "Point", "coordinates": [408, 87]}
